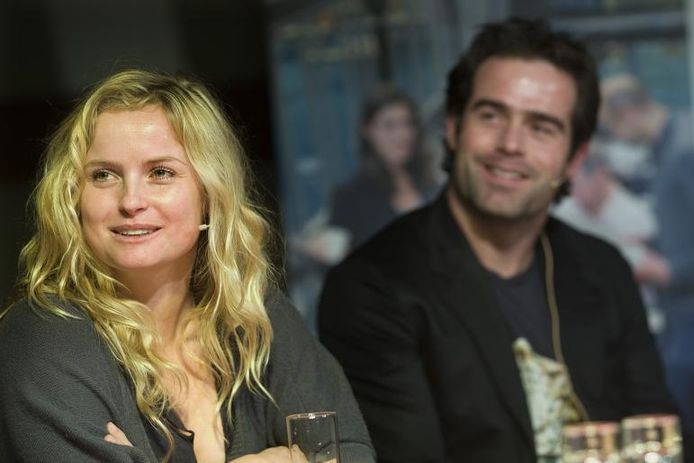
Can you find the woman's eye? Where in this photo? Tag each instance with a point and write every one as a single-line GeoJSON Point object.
{"type": "Point", "coordinates": [162, 172]}
{"type": "Point", "coordinates": [101, 175]}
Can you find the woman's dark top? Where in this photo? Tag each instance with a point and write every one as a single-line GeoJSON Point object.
{"type": "Point", "coordinates": [362, 207]}
{"type": "Point", "coordinates": [60, 385]}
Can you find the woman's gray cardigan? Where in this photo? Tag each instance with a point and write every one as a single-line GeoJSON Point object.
{"type": "Point", "coordinates": [60, 385]}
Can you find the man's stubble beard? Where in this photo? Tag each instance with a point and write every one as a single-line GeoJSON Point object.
{"type": "Point", "coordinates": [470, 192]}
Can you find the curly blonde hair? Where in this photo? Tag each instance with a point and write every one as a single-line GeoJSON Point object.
{"type": "Point", "coordinates": [232, 272]}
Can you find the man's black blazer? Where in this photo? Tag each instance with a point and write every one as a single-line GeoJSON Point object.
{"type": "Point", "coordinates": [413, 320]}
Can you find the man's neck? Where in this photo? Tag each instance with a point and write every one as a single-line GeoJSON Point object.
{"type": "Point", "coordinates": [505, 247]}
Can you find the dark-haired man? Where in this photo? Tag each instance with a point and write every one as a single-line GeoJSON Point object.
{"type": "Point", "coordinates": [474, 328]}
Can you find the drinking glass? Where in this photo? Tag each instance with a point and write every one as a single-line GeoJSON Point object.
{"type": "Point", "coordinates": [590, 442]}
{"type": "Point", "coordinates": [651, 439]}
{"type": "Point", "coordinates": [313, 438]}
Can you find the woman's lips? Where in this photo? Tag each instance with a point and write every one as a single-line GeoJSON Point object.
{"type": "Point", "coordinates": [135, 230]}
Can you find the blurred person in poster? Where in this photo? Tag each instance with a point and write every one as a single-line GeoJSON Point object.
{"type": "Point", "coordinates": [633, 117]}
{"type": "Point", "coordinates": [644, 133]}
{"type": "Point", "coordinates": [600, 205]}
{"type": "Point", "coordinates": [474, 328]}
{"type": "Point", "coordinates": [394, 176]}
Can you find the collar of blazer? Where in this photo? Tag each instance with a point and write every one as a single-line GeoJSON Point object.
{"type": "Point", "coordinates": [470, 296]}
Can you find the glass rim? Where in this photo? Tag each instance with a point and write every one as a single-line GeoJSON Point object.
{"type": "Point", "coordinates": [650, 420]}
{"type": "Point", "coordinates": [591, 427]}
{"type": "Point", "coordinates": [311, 415]}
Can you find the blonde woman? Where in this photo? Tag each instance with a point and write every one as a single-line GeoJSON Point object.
{"type": "Point", "coordinates": [149, 314]}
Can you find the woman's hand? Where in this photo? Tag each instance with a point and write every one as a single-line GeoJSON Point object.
{"type": "Point", "coordinates": [115, 435]}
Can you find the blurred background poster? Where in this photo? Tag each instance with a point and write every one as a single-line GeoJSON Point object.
{"type": "Point", "coordinates": [635, 189]}
{"type": "Point", "coordinates": [329, 57]}
{"type": "Point", "coordinates": [350, 78]}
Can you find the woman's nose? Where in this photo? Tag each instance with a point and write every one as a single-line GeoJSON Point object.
{"type": "Point", "coordinates": [133, 198]}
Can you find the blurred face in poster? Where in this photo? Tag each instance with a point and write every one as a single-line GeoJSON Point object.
{"type": "Point", "coordinates": [627, 112]}
{"type": "Point", "coordinates": [634, 122]}
{"type": "Point", "coordinates": [392, 134]}
{"type": "Point", "coordinates": [629, 125]}
{"type": "Point", "coordinates": [629, 159]}
{"type": "Point", "coordinates": [591, 188]}
{"type": "Point", "coordinates": [511, 144]}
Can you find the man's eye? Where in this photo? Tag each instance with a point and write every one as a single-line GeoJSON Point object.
{"type": "Point", "coordinates": [487, 115]}
{"type": "Point", "coordinates": [544, 129]}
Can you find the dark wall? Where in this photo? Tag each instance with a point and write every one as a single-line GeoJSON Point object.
{"type": "Point", "coordinates": [51, 50]}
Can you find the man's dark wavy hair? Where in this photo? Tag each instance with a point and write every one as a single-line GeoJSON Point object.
{"type": "Point", "coordinates": [531, 39]}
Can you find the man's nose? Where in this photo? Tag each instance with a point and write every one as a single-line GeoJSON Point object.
{"type": "Point", "coordinates": [510, 139]}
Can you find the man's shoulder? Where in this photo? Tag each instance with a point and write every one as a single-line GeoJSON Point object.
{"type": "Point", "coordinates": [584, 247]}
{"type": "Point", "coordinates": [402, 239]}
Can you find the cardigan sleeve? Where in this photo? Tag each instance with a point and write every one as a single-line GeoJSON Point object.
{"type": "Point", "coordinates": [303, 377]}
{"type": "Point", "coordinates": [59, 386]}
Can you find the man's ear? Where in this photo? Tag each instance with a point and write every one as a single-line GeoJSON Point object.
{"type": "Point", "coordinates": [579, 155]}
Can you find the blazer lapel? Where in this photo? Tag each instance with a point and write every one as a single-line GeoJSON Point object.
{"type": "Point", "coordinates": [468, 295]}
{"type": "Point", "coordinates": [579, 305]}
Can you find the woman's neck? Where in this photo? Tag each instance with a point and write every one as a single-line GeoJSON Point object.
{"type": "Point", "coordinates": [168, 297]}
{"type": "Point", "coordinates": [405, 194]}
